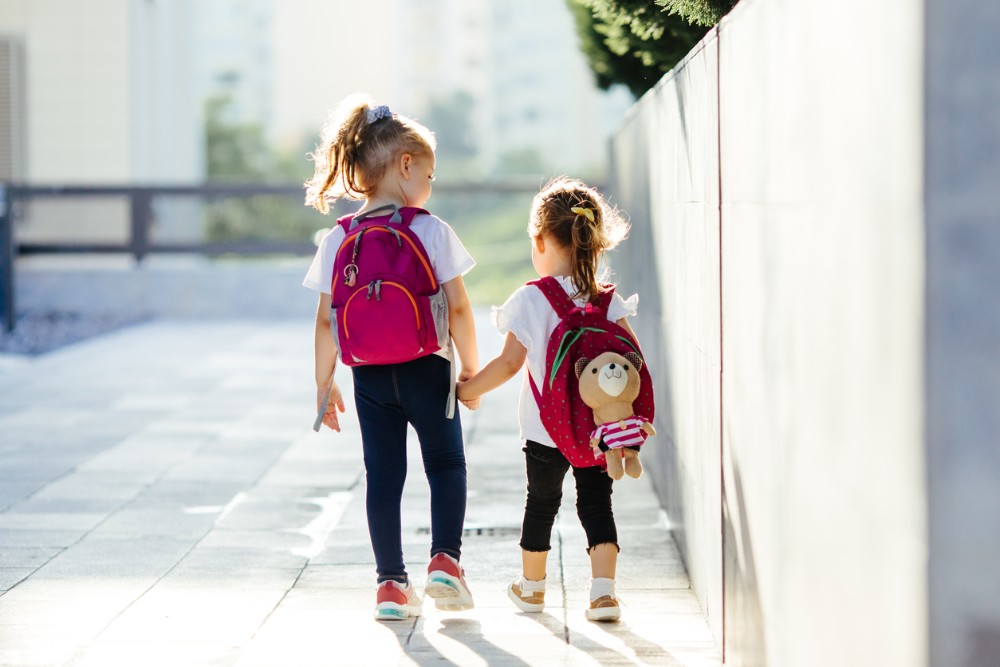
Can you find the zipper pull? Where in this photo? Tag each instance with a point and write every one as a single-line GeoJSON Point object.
{"type": "Point", "coordinates": [378, 290]}
{"type": "Point", "coordinates": [371, 287]}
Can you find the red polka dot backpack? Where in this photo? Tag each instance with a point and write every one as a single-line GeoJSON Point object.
{"type": "Point", "coordinates": [582, 333]}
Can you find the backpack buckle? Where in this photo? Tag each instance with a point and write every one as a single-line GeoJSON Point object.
{"type": "Point", "coordinates": [589, 309]}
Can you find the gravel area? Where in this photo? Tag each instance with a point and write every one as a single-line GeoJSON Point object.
{"type": "Point", "coordinates": [38, 332]}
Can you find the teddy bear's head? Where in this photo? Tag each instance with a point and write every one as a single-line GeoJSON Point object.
{"type": "Point", "coordinates": [609, 378]}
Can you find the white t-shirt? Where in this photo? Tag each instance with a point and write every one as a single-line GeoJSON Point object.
{"type": "Point", "coordinates": [449, 258]}
{"type": "Point", "coordinates": [528, 315]}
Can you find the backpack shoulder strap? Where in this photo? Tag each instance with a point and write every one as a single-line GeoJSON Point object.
{"type": "Point", "coordinates": [562, 303]}
{"type": "Point", "coordinates": [556, 295]}
{"type": "Point", "coordinates": [403, 216]}
{"type": "Point", "coordinates": [345, 222]}
{"type": "Point", "coordinates": [604, 298]}
{"type": "Point", "coordinates": [408, 213]}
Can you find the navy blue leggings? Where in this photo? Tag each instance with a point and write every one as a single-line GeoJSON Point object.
{"type": "Point", "coordinates": [387, 399]}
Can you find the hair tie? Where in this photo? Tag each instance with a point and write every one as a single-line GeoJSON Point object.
{"type": "Point", "coordinates": [378, 113]}
{"type": "Point", "coordinates": [585, 212]}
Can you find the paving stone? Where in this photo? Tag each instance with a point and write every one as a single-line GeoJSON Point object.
{"type": "Point", "coordinates": [11, 576]}
{"type": "Point", "coordinates": [190, 516]}
{"type": "Point", "coordinates": [26, 557]}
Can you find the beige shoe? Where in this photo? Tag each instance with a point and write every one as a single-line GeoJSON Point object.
{"type": "Point", "coordinates": [531, 601]}
{"type": "Point", "coordinates": [604, 608]}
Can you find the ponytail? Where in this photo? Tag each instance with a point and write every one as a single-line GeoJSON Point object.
{"type": "Point", "coordinates": [576, 217]}
{"type": "Point", "coordinates": [585, 228]}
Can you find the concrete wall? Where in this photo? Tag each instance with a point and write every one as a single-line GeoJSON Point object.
{"type": "Point", "coordinates": [665, 168]}
{"type": "Point", "coordinates": [815, 259]}
{"type": "Point", "coordinates": [962, 200]}
{"type": "Point", "coordinates": [823, 332]}
{"type": "Point", "coordinates": [166, 286]}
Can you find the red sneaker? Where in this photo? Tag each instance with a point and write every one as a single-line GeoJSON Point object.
{"type": "Point", "coordinates": [396, 602]}
{"type": "Point", "coordinates": [446, 584]}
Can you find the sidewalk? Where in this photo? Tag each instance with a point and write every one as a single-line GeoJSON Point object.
{"type": "Point", "coordinates": [163, 501]}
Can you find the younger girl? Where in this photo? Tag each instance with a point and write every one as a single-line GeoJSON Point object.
{"type": "Point", "coordinates": [372, 154]}
{"type": "Point", "coordinates": [571, 227]}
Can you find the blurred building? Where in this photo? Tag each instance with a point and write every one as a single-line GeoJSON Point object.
{"type": "Point", "coordinates": [114, 90]}
{"type": "Point", "coordinates": [235, 62]}
{"type": "Point", "coordinates": [542, 94]}
{"type": "Point", "coordinates": [96, 93]}
{"type": "Point", "coordinates": [512, 70]}
{"type": "Point", "coordinates": [100, 91]}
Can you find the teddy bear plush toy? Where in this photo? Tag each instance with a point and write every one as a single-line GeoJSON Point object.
{"type": "Point", "coordinates": [609, 384]}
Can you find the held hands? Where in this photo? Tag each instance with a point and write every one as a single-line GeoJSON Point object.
{"type": "Point", "coordinates": [464, 397]}
{"type": "Point", "coordinates": [335, 403]}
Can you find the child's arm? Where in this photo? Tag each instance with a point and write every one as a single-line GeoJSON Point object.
{"type": "Point", "coordinates": [326, 362]}
{"type": "Point", "coordinates": [498, 371]}
{"type": "Point", "coordinates": [623, 323]}
{"type": "Point", "coordinates": [462, 325]}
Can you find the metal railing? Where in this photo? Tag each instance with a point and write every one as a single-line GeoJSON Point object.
{"type": "Point", "coordinates": [140, 241]}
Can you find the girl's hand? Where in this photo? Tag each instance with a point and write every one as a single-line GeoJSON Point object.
{"type": "Point", "coordinates": [335, 403]}
{"type": "Point", "coordinates": [469, 402]}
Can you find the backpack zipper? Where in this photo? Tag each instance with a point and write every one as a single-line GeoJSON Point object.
{"type": "Point", "coordinates": [356, 237]}
{"type": "Point", "coordinates": [376, 286]}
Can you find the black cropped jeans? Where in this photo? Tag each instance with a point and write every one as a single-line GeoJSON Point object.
{"type": "Point", "coordinates": [546, 468]}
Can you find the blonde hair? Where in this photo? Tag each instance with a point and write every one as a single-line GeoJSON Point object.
{"type": "Point", "coordinates": [578, 218]}
{"type": "Point", "coordinates": [355, 152]}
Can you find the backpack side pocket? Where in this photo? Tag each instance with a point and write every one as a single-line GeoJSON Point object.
{"type": "Point", "coordinates": [335, 330]}
{"type": "Point", "coordinates": [439, 315]}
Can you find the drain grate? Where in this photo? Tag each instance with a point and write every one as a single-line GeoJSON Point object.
{"type": "Point", "coordinates": [481, 531]}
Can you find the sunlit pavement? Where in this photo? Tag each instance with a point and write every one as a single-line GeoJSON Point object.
{"type": "Point", "coordinates": [164, 501]}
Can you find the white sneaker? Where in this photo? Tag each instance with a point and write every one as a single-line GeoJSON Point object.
{"type": "Point", "coordinates": [527, 595]}
{"type": "Point", "coordinates": [603, 601]}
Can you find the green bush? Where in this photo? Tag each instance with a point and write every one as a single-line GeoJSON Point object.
{"type": "Point", "coordinates": [636, 42]}
{"type": "Point", "coordinates": [702, 12]}
{"type": "Point", "coordinates": [493, 226]}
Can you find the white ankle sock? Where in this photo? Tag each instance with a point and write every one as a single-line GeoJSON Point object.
{"type": "Point", "coordinates": [601, 586]}
{"type": "Point", "coordinates": [532, 586]}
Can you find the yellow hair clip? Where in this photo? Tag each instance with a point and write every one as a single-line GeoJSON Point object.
{"type": "Point", "coordinates": [585, 212]}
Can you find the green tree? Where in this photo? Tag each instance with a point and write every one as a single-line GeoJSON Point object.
{"type": "Point", "coordinates": [233, 152]}
{"type": "Point", "coordinates": [702, 12]}
{"type": "Point", "coordinates": [636, 42]}
{"type": "Point", "coordinates": [451, 118]}
{"type": "Point", "coordinates": [238, 152]}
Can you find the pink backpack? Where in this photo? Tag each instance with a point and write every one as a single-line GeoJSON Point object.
{"type": "Point", "coordinates": [582, 332]}
{"type": "Point", "coordinates": [387, 305]}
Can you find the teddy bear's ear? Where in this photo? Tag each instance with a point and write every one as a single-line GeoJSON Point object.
{"type": "Point", "coordinates": [581, 364]}
{"type": "Point", "coordinates": [634, 359]}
